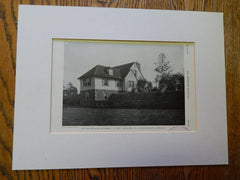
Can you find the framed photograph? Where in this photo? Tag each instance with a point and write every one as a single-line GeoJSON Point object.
{"type": "Point", "coordinates": [113, 85]}
{"type": "Point", "coordinates": [118, 88]}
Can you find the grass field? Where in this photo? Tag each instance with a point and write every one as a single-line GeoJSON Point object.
{"type": "Point", "coordinates": [118, 117]}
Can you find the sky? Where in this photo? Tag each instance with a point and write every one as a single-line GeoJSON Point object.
{"type": "Point", "coordinates": [80, 57]}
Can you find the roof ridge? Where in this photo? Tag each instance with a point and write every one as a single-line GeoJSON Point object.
{"type": "Point", "coordinates": [124, 64]}
{"type": "Point", "coordinates": [99, 70]}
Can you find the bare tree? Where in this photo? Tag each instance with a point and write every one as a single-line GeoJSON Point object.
{"type": "Point", "coordinates": [166, 81]}
{"type": "Point", "coordinates": [164, 71]}
{"type": "Point", "coordinates": [163, 66]}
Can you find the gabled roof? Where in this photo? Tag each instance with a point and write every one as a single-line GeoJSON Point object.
{"type": "Point", "coordinates": [119, 72]}
{"type": "Point", "coordinates": [101, 71]}
{"type": "Point", "coordinates": [124, 69]}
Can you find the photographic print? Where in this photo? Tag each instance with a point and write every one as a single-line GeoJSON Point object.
{"type": "Point", "coordinates": [123, 83]}
{"type": "Point", "coordinates": [95, 98]}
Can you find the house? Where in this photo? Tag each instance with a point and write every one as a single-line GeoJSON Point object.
{"type": "Point", "coordinates": [100, 82]}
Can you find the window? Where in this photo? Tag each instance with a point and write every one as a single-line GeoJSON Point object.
{"type": "Point", "coordinates": [105, 82]}
{"type": "Point", "coordinates": [130, 83]}
{"type": "Point", "coordinates": [118, 84]}
{"type": "Point", "coordinates": [96, 94]}
{"type": "Point", "coordinates": [105, 95]}
{"type": "Point", "coordinates": [87, 96]}
{"type": "Point", "coordinates": [87, 82]}
{"type": "Point", "coordinates": [135, 72]}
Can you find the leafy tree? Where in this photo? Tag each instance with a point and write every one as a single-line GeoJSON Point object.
{"type": "Point", "coordinates": [141, 85]}
{"type": "Point", "coordinates": [178, 82]}
{"type": "Point", "coordinates": [144, 85]}
{"type": "Point", "coordinates": [69, 90]}
{"type": "Point", "coordinates": [149, 86]}
{"type": "Point", "coordinates": [163, 82]}
{"type": "Point", "coordinates": [174, 82]}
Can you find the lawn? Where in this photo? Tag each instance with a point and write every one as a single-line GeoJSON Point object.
{"type": "Point", "coordinates": [121, 117]}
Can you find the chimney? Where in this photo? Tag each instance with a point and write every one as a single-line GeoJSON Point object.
{"type": "Point", "coordinates": [138, 65]}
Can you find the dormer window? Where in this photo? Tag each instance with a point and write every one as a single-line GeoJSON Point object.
{"type": "Point", "coordinates": [110, 71]}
